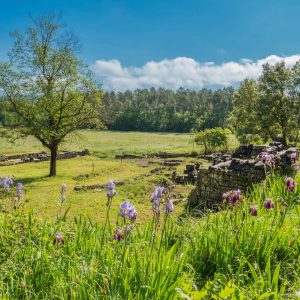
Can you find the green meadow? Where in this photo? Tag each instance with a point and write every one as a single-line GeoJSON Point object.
{"type": "Point", "coordinates": [109, 143]}
{"type": "Point", "coordinates": [43, 192]}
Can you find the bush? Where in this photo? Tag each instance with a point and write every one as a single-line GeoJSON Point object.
{"type": "Point", "coordinates": [212, 139]}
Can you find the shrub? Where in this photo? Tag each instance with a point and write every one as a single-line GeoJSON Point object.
{"type": "Point", "coordinates": [212, 139]}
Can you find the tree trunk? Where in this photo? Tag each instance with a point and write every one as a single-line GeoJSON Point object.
{"type": "Point", "coordinates": [53, 160]}
{"type": "Point", "coordinates": [284, 137]}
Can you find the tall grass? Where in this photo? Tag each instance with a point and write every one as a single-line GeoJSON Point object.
{"type": "Point", "coordinates": [225, 255]}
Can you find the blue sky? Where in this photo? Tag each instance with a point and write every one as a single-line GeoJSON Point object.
{"type": "Point", "coordinates": [124, 36]}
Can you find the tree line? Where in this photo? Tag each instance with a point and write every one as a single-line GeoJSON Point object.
{"type": "Point", "coordinates": [166, 110]}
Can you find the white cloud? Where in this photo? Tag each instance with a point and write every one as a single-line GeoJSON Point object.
{"type": "Point", "coordinates": [181, 72]}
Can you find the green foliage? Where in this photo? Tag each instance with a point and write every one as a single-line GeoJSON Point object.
{"type": "Point", "coordinates": [243, 117]}
{"type": "Point", "coordinates": [269, 107]}
{"type": "Point", "coordinates": [166, 110]}
{"type": "Point", "coordinates": [212, 139]}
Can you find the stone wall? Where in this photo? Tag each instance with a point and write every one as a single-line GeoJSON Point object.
{"type": "Point", "coordinates": [213, 182]}
{"type": "Point", "coordinates": [239, 171]}
{"type": "Point", "coordinates": [7, 160]}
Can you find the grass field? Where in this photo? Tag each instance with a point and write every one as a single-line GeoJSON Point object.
{"type": "Point", "coordinates": [109, 143]}
{"type": "Point", "coordinates": [43, 192]}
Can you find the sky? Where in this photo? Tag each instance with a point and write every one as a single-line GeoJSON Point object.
{"type": "Point", "coordinates": [193, 44]}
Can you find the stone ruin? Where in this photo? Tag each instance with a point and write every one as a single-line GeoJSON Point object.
{"type": "Point", "coordinates": [240, 170]}
{"type": "Point", "coordinates": [189, 174]}
{"type": "Point", "coordinates": [7, 160]}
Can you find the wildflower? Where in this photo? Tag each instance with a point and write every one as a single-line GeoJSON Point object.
{"type": "Point", "coordinates": [64, 187]}
{"type": "Point", "coordinates": [236, 196]}
{"type": "Point", "coordinates": [232, 197]}
{"type": "Point", "coordinates": [226, 197]}
{"type": "Point", "coordinates": [156, 206]}
{"type": "Point", "coordinates": [293, 158]}
{"type": "Point", "coordinates": [128, 229]}
{"type": "Point", "coordinates": [110, 189]}
{"type": "Point", "coordinates": [118, 234]}
{"type": "Point", "coordinates": [156, 198]}
{"type": "Point", "coordinates": [131, 213]}
{"type": "Point", "coordinates": [290, 184]}
{"type": "Point", "coordinates": [6, 182]}
{"type": "Point", "coordinates": [267, 159]}
{"type": "Point", "coordinates": [58, 239]}
{"type": "Point", "coordinates": [62, 197]}
{"type": "Point", "coordinates": [269, 204]}
{"type": "Point", "coordinates": [19, 191]}
{"type": "Point", "coordinates": [157, 194]}
{"type": "Point", "coordinates": [123, 208]}
{"type": "Point", "coordinates": [253, 210]}
{"type": "Point", "coordinates": [169, 207]}
{"type": "Point", "coordinates": [128, 210]}
{"type": "Point", "coordinates": [295, 167]}
{"type": "Point", "coordinates": [62, 192]}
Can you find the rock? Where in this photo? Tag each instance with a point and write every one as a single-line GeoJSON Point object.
{"type": "Point", "coordinates": [81, 187]}
{"type": "Point", "coordinates": [85, 152]}
{"type": "Point", "coordinates": [3, 158]}
{"type": "Point", "coordinates": [189, 174]}
{"type": "Point", "coordinates": [189, 168]}
{"type": "Point", "coordinates": [171, 163]}
{"type": "Point", "coordinates": [156, 171]}
{"type": "Point", "coordinates": [129, 156]}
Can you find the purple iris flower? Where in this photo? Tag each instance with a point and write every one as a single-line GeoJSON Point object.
{"type": "Point", "coordinates": [110, 189]}
{"type": "Point", "coordinates": [294, 161]}
{"type": "Point", "coordinates": [290, 184]}
{"type": "Point", "coordinates": [118, 234]}
{"type": "Point", "coordinates": [62, 192]}
{"type": "Point", "coordinates": [6, 183]}
{"type": "Point", "coordinates": [269, 204]}
{"type": "Point", "coordinates": [156, 206]}
{"type": "Point", "coordinates": [123, 208]}
{"type": "Point", "coordinates": [253, 210]}
{"type": "Point", "coordinates": [128, 229]}
{"type": "Point", "coordinates": [128, 210]}
{"type": "Point", "coordinates": [19, 187]}
{"type": "Point", "coordinates": [169, 207]}
{"type": "Point", "coordinates": [226, 197]}
{"type": "Point", "coordinates": [58, 239]}
{"type": "Point", "coordinates": [232, 197]}
{"type": "Point", "coordinates": [131, 213]}
{"type": "Point", "coordinates": [19, 190]}
{"type": "Point", "coordinates": [63, 187]}
{"type": "Point", "coordinates": [293, 158]}
{"type": "Point", "coordinates": [268, 159]}
{"type": "Point", "coordinates": [235, 196]}
{"type": "Point", "coordinates": [158, 192]}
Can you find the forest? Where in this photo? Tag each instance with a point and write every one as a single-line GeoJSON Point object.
{"type": "Point", "coordinates": [166, 110]}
